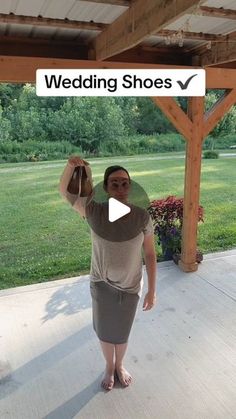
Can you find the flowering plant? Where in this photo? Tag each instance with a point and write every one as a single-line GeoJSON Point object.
{"type": "Point", "coordinates": [167, 215]}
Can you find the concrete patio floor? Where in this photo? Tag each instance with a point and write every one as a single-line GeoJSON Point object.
{"type": "Point", "coordinates": [181, 354]}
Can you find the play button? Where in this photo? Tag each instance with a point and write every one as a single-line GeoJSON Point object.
{"type": "Point", "coordinates": [106, 215]}
{"type": "Point", "coordinates": [116, 210]}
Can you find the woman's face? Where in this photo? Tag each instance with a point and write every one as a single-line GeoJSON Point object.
{"type": "Point", "coordinates": [118, 185]}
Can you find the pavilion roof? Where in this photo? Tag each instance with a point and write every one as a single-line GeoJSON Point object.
{"type": "Point", "coordinates": [178, 32]}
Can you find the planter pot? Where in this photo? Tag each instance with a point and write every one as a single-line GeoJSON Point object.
{"type": "Point", "coordinates": [167, 253]}
{"type": "Point", "coordinates": [176, 258]}
{"type": "Point", "coordinates": [199, 257]}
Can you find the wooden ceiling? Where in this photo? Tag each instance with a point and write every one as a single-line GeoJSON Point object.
{"type": "Point", "coordinates": [145, 31]}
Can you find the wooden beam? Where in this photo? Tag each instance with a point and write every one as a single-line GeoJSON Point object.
{"type": "Point", "coordinates": [51, 23]}
{"type": "Point", "coordinates": [220, 78]}
{"type": "Point", "coordinates": [14, 69]}
{"type": "Point", "coordinates": [175, 114]}
{"type": "Point", "coordinates": [23, 69]}
{"type": "Point", "coordinates": [221, 107]}
{"type": "Point", "coordinates": [217, 12]}
{"type": "Point", "coordinates": [143, 18]}
{"type": "Point", "coordinates": [192, 186]}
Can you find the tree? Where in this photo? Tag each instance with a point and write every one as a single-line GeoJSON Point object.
{"type": "Point", "coordinates": [89, 122]}
{"type": "Point", "coordinates": [9, 92]}
{"type": "Point", "coordinates": [86, 122]}
{"type": "Point", "coordinates": [227, 124]}
{"type": "Point", "coordinates": [151, 120]}
{"type": "Point", "coordinates": [5, 127]}
{"type": "Point", "coordinates": [130, 113]}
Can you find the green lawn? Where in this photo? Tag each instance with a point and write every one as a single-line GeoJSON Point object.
{"type": "Point", "coordinates": [42, 238]}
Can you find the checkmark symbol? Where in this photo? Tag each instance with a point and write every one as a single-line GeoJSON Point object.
{"type": "Point", "coordinates": [184, 85]}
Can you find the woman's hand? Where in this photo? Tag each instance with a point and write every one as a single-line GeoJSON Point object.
{"type": "Point", "coordinates": [75, 161]}
{"type": "Point", "coordinates": [149, 300]}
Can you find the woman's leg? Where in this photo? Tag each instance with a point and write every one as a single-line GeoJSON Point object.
{"type": "Point", "coordinates": [108, 352]}
{"type": "Point", "coordinates": [124, 376]}
{"type": "Point", "coordinates": [120, 349]}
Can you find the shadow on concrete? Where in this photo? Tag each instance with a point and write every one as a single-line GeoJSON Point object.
{"type": "Point", "coordinates": [45, 361]}
{"type": "Point", "coordinates": [68, 299]}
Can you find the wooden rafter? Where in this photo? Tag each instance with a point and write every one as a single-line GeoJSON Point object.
{"type": "Point", "coordinates": [140, 20]}
{"type": "Point", "coordinates": [141, 54]}
{"type": "Point", "coordinates": [193, 35]}
{"type": "Point", "coordinates": [197, 51]}
{"type": "Point", "coordinates": [11, 46]}
{"type": "Point", "coordinates": [217, 12]}
{"type": "Point", "coordinates": [73, 49]}
{"type": "Point", "coordinates": [220, 52]}
{"type": "Point", "coordinates": [57, 23]}
{"type": "Point", "coordinates": [148, 55]}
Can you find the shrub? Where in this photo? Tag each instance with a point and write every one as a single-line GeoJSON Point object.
{"type": "Point", "coordinates": [219, 143]}
{"type": "Point", "coordinates": [31, 150]}
{"type": "Point", "coordinates": [211, 154]}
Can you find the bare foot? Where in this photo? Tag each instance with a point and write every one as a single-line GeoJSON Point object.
{"type": "Point", "coordinates": [108, 380]}
{"type": "Point", "coordinates": [124, 376]}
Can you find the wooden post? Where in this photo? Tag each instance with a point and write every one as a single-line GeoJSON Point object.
{"type": "Point", "coordinates": [192, 185]}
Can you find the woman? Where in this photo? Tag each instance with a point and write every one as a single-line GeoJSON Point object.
{"type": "Point", "coordinates": [116, 265]}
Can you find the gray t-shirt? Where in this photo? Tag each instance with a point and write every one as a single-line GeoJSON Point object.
{"type": "Point", "coordinates": [118, 263]}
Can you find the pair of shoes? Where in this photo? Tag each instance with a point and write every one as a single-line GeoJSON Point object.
{"type": "Point", "coordinates": [81, 181]}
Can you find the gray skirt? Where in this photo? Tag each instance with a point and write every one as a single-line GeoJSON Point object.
{"type": "Point", "coordinates": [113, 312]}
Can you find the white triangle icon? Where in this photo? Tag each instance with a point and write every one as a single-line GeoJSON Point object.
{"type": "Point", "coordinates": [116, 210]}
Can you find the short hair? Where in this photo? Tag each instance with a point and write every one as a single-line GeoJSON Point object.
{"type": "Point", "coordinates": [110, 170]}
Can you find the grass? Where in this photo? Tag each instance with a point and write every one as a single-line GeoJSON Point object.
{"type": "Point", "coordinates": [43, 239]}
